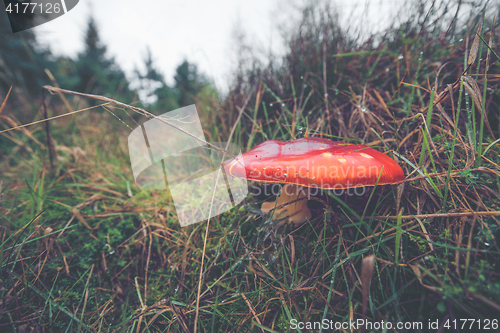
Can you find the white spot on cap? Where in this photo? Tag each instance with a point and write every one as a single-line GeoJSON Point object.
{"type": "Point", "coordinates": [365, 155]}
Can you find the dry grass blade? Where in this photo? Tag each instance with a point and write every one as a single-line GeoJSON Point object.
{"type": "Point", "coordinates": [426, 234]}
{"type": "Point", "coordinates": [384, 105]}
{"type": "Point", "coordinates": [50, 141]}
{"type": "Point", "coordinates": [61, 95]}
{"type": "Point", "coordinates": [424, 122]}
{"type": "Point", "coordinates": [5, 100]}
{"type": "Point", "coordinates": [80, 218]}
{"type": "Point", "coordinates": [366, 275]}
{"type": "Point", "coordinates": [180, 318]}
{"type": "Point", "coordinates": [400, 190]}
{"type": "Point", "coordinates": [252, 310]}
{"type": "Point", "coordinates": [292, 249]}
{"type": "Point", "coordinates": [135, 109]}
{"type": "Point", "coordinates": [153, 319]}
{"type": "Point", "coordinates": [86, 292]}
{"type": "Point", "coordinates": [484, 300]}
{"type": "Point", "coordinates": [15, 126]}
{"type": "Point", "coordinates": [475, 46]}
{"type": "Point", "coordinates": [25, 131]}
{"type": "Point", "coordinates": [418, 274]}
{"type": "Point", "coordinates": [473, 89]}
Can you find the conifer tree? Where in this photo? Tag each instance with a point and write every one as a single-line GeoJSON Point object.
{"type": "Point", "coordinates": [188, 83]}
{"type": "Point", "coordinates": [98, 72]}
{"type": "Point", "coordinates": [22, 60]}
{"type": "Point", "coordinates": [154, 90]}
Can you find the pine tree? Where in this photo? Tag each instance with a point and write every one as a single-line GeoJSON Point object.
{"type": "Point", "coordinates": [154, 89]}
{"type": "Point", "coordinates": [188, 83]}
{"type": "Point", "coordinates": [99, 73]}
{"type": "Point", "coordinates": [22, 61]}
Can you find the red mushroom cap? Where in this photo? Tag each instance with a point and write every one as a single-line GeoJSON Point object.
{"type": "Point", "coordinates": [316, 162]}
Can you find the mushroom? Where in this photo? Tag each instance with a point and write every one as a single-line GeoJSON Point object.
{"type": "Point", "coordinates": [309, 163]}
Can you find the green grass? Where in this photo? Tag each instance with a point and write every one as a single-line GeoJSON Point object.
{"type": "Point", "coordinates": [85, 249]}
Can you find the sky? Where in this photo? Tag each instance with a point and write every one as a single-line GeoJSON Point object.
{"type": "Point", "coordinates": [199, 31]}
{"type": "Point", "coordinates": [203, 32]}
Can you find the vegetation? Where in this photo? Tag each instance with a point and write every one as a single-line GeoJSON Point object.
{"type": "Point", "coordinates": [84, 249]}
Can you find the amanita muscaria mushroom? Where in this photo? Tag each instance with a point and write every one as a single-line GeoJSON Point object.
{"type": "Point", "coordinates": [312, 163]}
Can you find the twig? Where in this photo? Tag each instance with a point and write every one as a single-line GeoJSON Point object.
{"type": "Point", "coordinates": [252, 309]}
{"type": "Point", "coordinates": [50, 142]}
{"type": "Point", "coordinates": [52, 118]}
{"type": "Point", "coordinates": [135, 109]}
{"type": "Point", "coordinates": [5, 100]}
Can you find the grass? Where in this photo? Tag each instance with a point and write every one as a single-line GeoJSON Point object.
{"type": "Point", "coordinates": [85, 249]}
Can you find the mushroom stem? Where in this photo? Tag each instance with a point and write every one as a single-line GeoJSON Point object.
{"type": "Point", "coordinates": [293, 212]}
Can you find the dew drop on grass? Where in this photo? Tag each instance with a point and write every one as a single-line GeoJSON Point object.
{"type": "Point", "coordinates": [400, 57]}
{"type": "Point", "coordinates": [326, 95]}
{"type": "Point", "coordinates": [282, 104]}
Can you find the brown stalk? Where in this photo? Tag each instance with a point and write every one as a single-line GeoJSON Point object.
{"type": "Point", "coordinates": [50, 141]}
{"type": "Point", "coordinates": [252, 310]}
{"type": "Point", "coordinates": [5, 100]}
{"type": "Point", "coordinates": [367, 265]}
